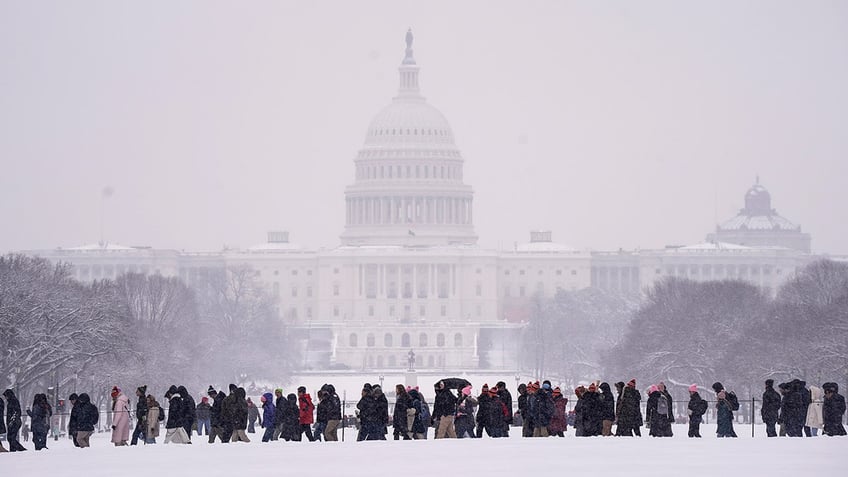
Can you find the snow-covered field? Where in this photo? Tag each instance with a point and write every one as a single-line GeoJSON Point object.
{"type": "Point", "coordinates": [634, 457]}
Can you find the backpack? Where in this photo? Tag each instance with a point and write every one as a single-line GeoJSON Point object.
{"type": "Point", "coordinates": [425, 415]}
{"type": "Point", "coordinates": [732, 401]}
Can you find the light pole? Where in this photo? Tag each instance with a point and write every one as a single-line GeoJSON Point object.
{"type": "Point", "coordinates": [381, 381]}
{"type": "Point", "coordinates": [517, 380]}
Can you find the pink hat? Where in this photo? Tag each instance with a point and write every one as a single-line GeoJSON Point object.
{"type": "Point", "coordinates": [466, 390]}
{"type": "Point", "coordinates": [652, 388]}
{"type": "Point", "coordinates": [693, 388]}
{"type": "Point", "coordinates": [408, 388]}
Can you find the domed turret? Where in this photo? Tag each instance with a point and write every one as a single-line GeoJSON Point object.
{"type": "Point", "coordinates": [408, 188]}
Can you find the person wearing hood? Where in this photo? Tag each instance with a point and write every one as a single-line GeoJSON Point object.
{"type": "Point", "coordinates": [140, 416]}
{"type": "Point", "coordinates": [216, 419]}
{"type": "Point", "coordinates": [121, 417]}
{"type": "Point", "coordinates": [228, 412]}
{"type": "Point", "coordinates": [793, 411]}
{"type": "Point", "coordinates": [629, 416]}
{"type": "Point", "coordinates": [87, 416]}
{"type": "Point", "coordinates": [659, 411]}
{"type": "Point", "coordinates": [151, 431]}
{"type": "Point", "coordinates": [306, 412]}
{"type": "Point", "coordinates": [291, 419]}
{"type": "Point", "coordinates": [40, 417]}
{"type": "Point", "coordinates": [189, 411]}
{"type": "Point", "coordinates": [815, 420]}
{"type": "Point", "coordinates": [240, 416]}
{"type": "Point", "coordinates": [421, 421]}
{"type": "Point", "coordinates": [322, 415]}
{"type": "Point", "coordinates": [771, 408]}
{"type": "Point", "coordinates": [279, 410]}
{"type": "Point", "coordinates": [725, 405]}
{"type": "Point", "coordinates": [268, 411]}
{"type": "Point", "coordinates": [381, 413]}
{"type": "Point", "coordinates": [607, 409]}
{"type": "Point", "coordinates": [72, 423]}
{"type": "Point", "coordinates": [174, 430]}
{"type": "Point", "coordinates": [832, 410]}
{"type": "Point", "coordinates": [524, 410]}
{"type": "Point", "coordinates": [696, 409]}
{"type": "Point", "coordinates": [444, 411]}
{"type": "Point", "coordinates": [14, 420]}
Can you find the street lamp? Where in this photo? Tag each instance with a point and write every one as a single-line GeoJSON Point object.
{"type": "Point", "coordinates": [517, 380]}
{"type": "Point", "coordinates": [381, 381]}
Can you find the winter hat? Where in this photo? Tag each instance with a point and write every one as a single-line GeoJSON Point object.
{"type": "Point", "coordinates": [115, 391]}
{"type": "Point", "coordinates": [693, 388]}
{"type": "Point", "coordinates": [717, 387]}
{"type": "Point", "coordinates": [366, 387]}
{"type": "Point", "coordinates": [211, 390]}
{"type": "Point", "coordinates": [652, 389]}
{"type": "Point", "coordinates": [408, 388]}
{"type": "Point", "coordinates": [142, 390]}
{"type": "Point", "coordinates": [466, 390]}
{"type": "Point", "coordinates": [204, 399]}
{"type": "Point", "coordinates": [485, 388]}
{"type": "Point", "coordinates": [631, 383]}
{"type": "Point", "coordinates": [261, 398]}
{"type": "Point", "coordinates": [301, 389]}
{"type": "Point", "coordinates": [579, 390]}
{"type": "Point", "coordinates": [501, 385]}
{"type": "Point", "coordinates": [279, 391]}
{"type": "Point", "coordinates": [593, 388]}
{"type": "Point", "coordinates": [493, 391]}
{"type": "Point", "coordinates": [770, 382]}
{"type": "Point", "coordinates": [233, 387]}
{"type": "Point", "coordinates": [557, 391]}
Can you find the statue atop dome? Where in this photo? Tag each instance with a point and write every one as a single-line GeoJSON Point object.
{"type": "Point", "coordinates": [408, 59]}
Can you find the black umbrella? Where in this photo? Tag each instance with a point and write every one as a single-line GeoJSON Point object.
{"type": "Point", "coordinates": [454, 383]}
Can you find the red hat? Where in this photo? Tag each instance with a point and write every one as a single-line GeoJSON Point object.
{"type": "Point", "coordinates": [204, 399]}
{"type": "Point", "coordinates": [115, 391]}
{"type": "Point", "coordinates": [493, 391]}
{"type": "Point", "coordinates": [632, 383]}
{"type": "Point", "coordinates": [486, 386]}
{"type": "Point", "coordinates": [557, 390]}
{"type": "Point", "coordinates": [592, 388]}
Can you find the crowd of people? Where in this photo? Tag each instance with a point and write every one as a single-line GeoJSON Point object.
{"type": "Point", "coordinates": [540, 411]}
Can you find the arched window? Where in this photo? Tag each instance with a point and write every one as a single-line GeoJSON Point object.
{"type": "Point", "coordinates": [387, 340]}
{"type": "Point", "coordinates": [431, 362]}
{"type": "Point", "coordinates": [404, 340]}
{"type": "Point", "coordinates": [422, 340]}
{"type": "Point", "coordinates": [457, 340]}
{"type": "Point", "coordinates": [440, 340]}
{"type": "Point", "coordinates": [354, 342]}
{"type": "Point", "coordinates": [392, 361]}
{"type": "Point", "coordinates": [370, 340]}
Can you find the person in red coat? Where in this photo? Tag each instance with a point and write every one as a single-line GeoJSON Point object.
{"type": "Point", "coordinates": [304, 403]}
{"type": "Point", "coordinates": [558, 422]}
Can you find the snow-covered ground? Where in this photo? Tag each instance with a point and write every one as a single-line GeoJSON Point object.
{"type": "Point", "coordinates": [634, 457]}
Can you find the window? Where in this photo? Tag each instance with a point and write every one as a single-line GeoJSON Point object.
{"type": "Point", "coordinates": [506, 291]}
{"type": "Point", "coordinates": [440, 340]}
{"type": "Point", "coordinates": [457, 340]}
{"type": "Point", "coordinates": [521, 272]}
{"type": "Point", "coordinates": [293, 312]}
{"type": "Point", "coordinates": [336, 289]}
{"type": "Point", "coordinates": [479, 310]}
{"type": "Point", "coordinates": [309, 273]}
{"type": "Point", "coordinates": [294, 272]}
{"type": "Point", "coordinates": [422, 340]}
{"type": "Point", "coordinates": [479, 271]}
{"type": "Point", "coordinates": [336, 310]}
{"type": "Point", "coordinates": [444, 310]}
{"type": "Point", "coordinates": [276, 289]}
{"type": "Point", "coordinates": [309, 291]}
{"type": "Point", "coordinates": [392, 361]}
{"type": "Point", "coordinates": [353, 340]}
{"type": "Point", "coordinates": [309, 312]}
{"type": "Point", "coordinates": [391, 310]}
{"type": "Point", "coordinates": [336, 271]}
{"type": "Point", "coordinates": [422, 310]}
{"type": "Point", "coordinates": [559, 272]}
{"type": "Point", "coordinates": [294, 292]}
{"type": "Point", "coordinates": [521, 290]}
{"type": "Point", "coordinates": [404, 340]}
{"type": "Point", "coordinates": [370, 310]}
{"type": "Point", "coordinates": [387, 340]}
{"type": "Point", "coordinates": [479, 289]}
{"type": "Point", "coordinates": [369, 341]}
{"type": "Point", "coordinates": [574, 272]}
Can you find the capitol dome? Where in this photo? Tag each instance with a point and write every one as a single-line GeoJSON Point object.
{"type": "Point", "coordinates": [409, 187]}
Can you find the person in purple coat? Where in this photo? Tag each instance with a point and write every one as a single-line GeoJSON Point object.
{"type": "Point", "coordinates": [268, 410]}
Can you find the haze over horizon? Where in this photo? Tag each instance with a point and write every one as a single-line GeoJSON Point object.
{"type": "Point", "coordinates": [615, 125]}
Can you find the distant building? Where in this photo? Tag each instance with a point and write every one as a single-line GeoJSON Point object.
{"type": "Point", "coordinates": [409, 274]}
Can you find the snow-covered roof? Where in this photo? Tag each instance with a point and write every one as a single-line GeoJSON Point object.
{"type": "Point", "coordinates": [104, 246]}
{"type": "Point", "coordinates": [758, 222]}
{"type": "Point", "coordinates": [544, 247]}
{"type": "Point", "coordinates": [713, 246]}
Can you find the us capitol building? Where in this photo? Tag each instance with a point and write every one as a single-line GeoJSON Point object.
{"type": "Point", "coordinates": [409, 275]}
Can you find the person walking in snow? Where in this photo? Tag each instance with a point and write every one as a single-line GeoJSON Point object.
{"type": "Point", "coordinates": [174, 429]}
{"type": "Point", "coordinates": [506, 398]}
{"type": "Point", "coordinates": [403, 404]}
{"type": "Point", "coordinates": [607, 409]}
{"type": "Point", "coordinates": [239, 415]}
{"type": "Point", "coordinates": [771, 408]}
{"type": "Point", "coordinates": [696, 409]}
{"type": "Point", "coordinates": [291, 419]}
{"type": "Point", "coordinates": [87, 416]}
{"type": "Point", "coordinates": [524, 410]}
{"type": "Point", "coordinates": [140, 416]}
{"type": "Point", "coordinates": [154, 415]}
{"type": "Point", "coordinates": [335, 416]}
{"type": "Point", "coordinates": [464, 421]}
{"type": "Point", "coordinates": [444, 411]}
{"type": "Point", "coordinates": [832, 410]}
{"type": "Point", "coordinates": [216, 418]}
{"type": "Point", "coordinates": [120, 417]}
{"type": "Point", "coordinates": [40, 418]}
{"type": "Point", "coordinates": [793, 411]}
{"type": "Point", "coordinates": [268, 411]}
{"type": "Point", "coordinates": [727, 403]}
{"type": "Point", "coordinates": [252, 416]}
{"type": "Point", "coordinates": [189, 411]}
{"type": "Point", "coordinates": [306, 412]}
{"type": "Point", "coordinates": [203, 414]}
{"type": "Point", "coordinates": [421, 421]}
{"type": "Point", "coordinates": [559, 421]}
{"type": "Point", "coordinates": [629, 416]}
{"type": "Point", "coordinates": [659, 411]}
{"type": "Point", "coordinates": [815, 421]}
{"type": "Point", "coordinates": [279, 410]}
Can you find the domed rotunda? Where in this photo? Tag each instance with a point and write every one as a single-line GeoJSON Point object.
{"type": "Point", "coordinates": [408, 189]}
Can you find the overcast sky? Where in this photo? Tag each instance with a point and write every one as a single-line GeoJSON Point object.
{"type": "Point", "coordinates": [614, 124]}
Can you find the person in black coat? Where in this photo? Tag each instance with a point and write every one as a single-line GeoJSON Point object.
{"type": "Point", "coordinates": [215, 418]}
{"type": "Point", "coordinates": [771, 408]}
{"type": "Point", "coordinates": [279, 408]}
{"type": "Point", "coordinates": [833, 409]}
{"type": "Point", "coordinates": [291, 419]}
{"type": "Point", "coordinates": [592, 412]}
{"type": "Point", "coordinates": [13, 421]}
{"type": "Point", "coordinates": [175, 409]}
{"type": "Point", "coordinates": [72, 422]}
{"type": "Point", "coordinates": [86, 416]}
{"type": "Point", "coordinates": [403, 403]}
{"type": "Point", "coordinates": [506, 398]}
{"type": "Point", "coordinates": [40, 415]}
{"type": "Point", "coordinates": [526, 421]}
{"type": "Point", "coordinates": [696, 409]}
{"type": "Point", "coordinates": [140, 415]}
{"type": "Point", "coordinates": [2, 424]}
{"type": "Point", "coordinates": [444, 411]}
{"type": "Point", "coordinates": [629, 416]}
{"type": "Point", "coordinates": [381, 413]}
{"type": "Point", "coordinates": [659, 411]}
{"type": "Point", "coordinates": [484, 411]}
{"type": "Point", "coordinates": [189, 410]}
{"type": "Point", "coordinates": [607, 409]}
{"type": "Point", "coordinates": [793, 412]}
{"type": "Point", "coordinates": [726, 403]}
